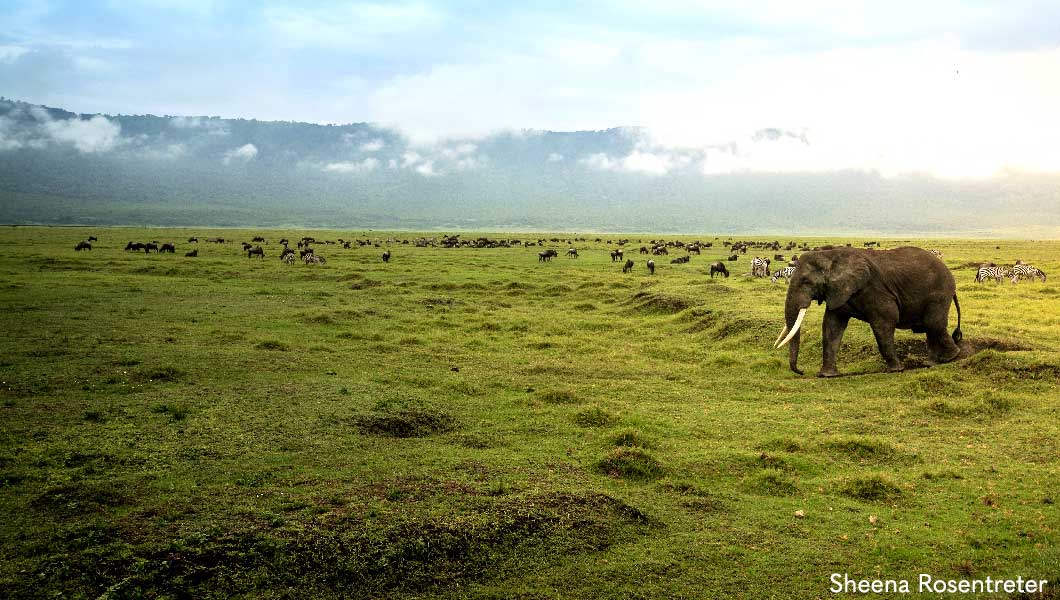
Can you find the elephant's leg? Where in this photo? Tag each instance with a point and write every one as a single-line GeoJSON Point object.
{"type": "Point", "coordinates": [883, 330]}
{"type": "Point", "coordinates": [832, 327]}
{"type": "Point", "coordinates": [941, 346]}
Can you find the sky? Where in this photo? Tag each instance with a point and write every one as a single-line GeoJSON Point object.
{"type": "Point", "coordinates": [953, 89]}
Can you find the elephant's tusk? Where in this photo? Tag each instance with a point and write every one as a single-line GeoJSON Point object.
{"type": "Point", "coordinates": [794, 328]}
{"type": "Point", "coordinates": [782, 332]}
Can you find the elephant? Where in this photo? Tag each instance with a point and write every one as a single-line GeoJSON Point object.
{"type": "Point", "coordinates": [904, 288]}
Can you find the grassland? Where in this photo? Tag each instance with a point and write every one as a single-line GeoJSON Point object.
{"type": "Point", "coordinates": [474, 423]}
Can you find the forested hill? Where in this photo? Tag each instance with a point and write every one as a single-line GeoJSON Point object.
{"type": "Point", "coordinates": [64, 168]}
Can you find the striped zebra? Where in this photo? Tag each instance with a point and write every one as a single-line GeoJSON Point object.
{"type": "Point", "coordinates": [786, 273]}
{"type": "Point", "coordinates": [313, 259]}
{"type": "Point", "coordinates": [760, 267]}
{"type": "Point", "coordinates": [992, 272]}
{"type": "Point", "coordinates": [288, 259]}
{"type": "Point", "coordinates": [937, 253]}
{"type": "Point", "coordinates": [1025, 271]}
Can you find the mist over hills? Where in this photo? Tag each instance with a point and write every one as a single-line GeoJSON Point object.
{"type": "Point", "coordinates": [58, 167]}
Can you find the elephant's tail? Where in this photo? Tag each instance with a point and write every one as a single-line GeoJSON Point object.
{"type": "Point", "coordinates": [957, 335]}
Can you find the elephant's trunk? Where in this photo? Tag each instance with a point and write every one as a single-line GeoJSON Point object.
{"type": "Point", "coordinates": [794, 312]}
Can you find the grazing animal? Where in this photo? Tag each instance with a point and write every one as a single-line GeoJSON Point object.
{"type": "Point", "coordinates": [134, 246]}
{"type": "Point", "coordinates": [760, 267]}
{"type": "Point", "coordinates": [937, 253]}
{"type": "Point", "coordinates": [991, 271]}
{"type": "Point", "coordinates": [626, 268]}
{"type": "Point", "coordinates": [284, 241]}
{"type": "Point", "coordinates": [303, 253]}
{"type": "Point", "coordinates": [92, 238]}
{"type": "Point", "coordinates": [874, 286]}
{"type": "Point", "coordinates": [168, 248]}
{"type": "Point", "coordinates": [616, 255]}
{"type": "Point", "coordinates": [718, 267]}
{"type": "Point", "coordinates": [643, 249]}
{"type": "Point", "coordinates": [786, 273]}
{"type": "Point", "coordinates": [546, 255]}
{"type": "Point", "coordinates": [192, 254]}
{"type": "Point", "coordinates": [82, 246]}
{"type": "Point", "coordinates": [193, 240]}
{"type": "Point", "coordinates": [572, 253]}
{"type": "Point", "coordinates": [1024, 271]}
{"type": "Point", "coordinates": [651, 267]}
{"type": "Point", "coordinates": [256, 251]}
{"type": "Point", "coordinates": [149, 247]}
{"type": "Point", "coordinates": [733, 257]}
{"type": "Point", "coordinates": [313, 259]}
{"type": "Point", "coordinates": [386, 256]}
{"type": "Point", "coordinates": [286, 252]}
{"type": "Point", "coordinates": [258, 238]}
{"type": "Point", "coordinates": [680, 260]}
{"type": "Point", "coordinates": [288, 259]}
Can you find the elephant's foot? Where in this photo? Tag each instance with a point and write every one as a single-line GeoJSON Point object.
{"type": "Point", "coordinates": [832, 372]}
{"type": "Point", "coordinates": [896, 367]}
{"type": "Point", "coordinates": [952, 356]}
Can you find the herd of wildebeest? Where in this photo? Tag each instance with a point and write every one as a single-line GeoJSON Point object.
{"type": "Point", "coordinates": [760, 265]}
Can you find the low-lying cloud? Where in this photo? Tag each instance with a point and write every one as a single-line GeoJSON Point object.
{"type": "Point", "coordinates": [244, 153]}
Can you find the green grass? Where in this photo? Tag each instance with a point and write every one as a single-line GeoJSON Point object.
{"type": "Point", "coordinates": [471, 423]}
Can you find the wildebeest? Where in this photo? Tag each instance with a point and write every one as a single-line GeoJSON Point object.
{"type": "Point", "coordinates": [193, 240]}
{"type": "Point", "coordinates": [284, 241]}
{"type": "Point", "coordinates": [386, 256]}
{"type": "Point", "coordinates": [192, 254]}
{"type": "Point", "coordinates": [286, 251]}
{"type": "Point", "coordinates": [149, 247]}
{"type": "Point", "coordinates": [256, 251]}
{"type": "Point", "coordinates": [92, 238]}
{"type": "Point", "coordinates": [168, 248]}
{"type": "Point", "coordinates": [134, 246]}
{"type": "Point", "coordinates": [616, 255]}
{"type": "Point", "coordinates": [258, 238]}
{"type": "Point", "coordinates": [546, 255]}
{"type": "Point", "coordinates": [733, 257]}
{"type": "Point", "coordinates": [572, 253]}
{"type": "Point", "coordinates": [680, 260]}
{"type": "Point", "coordinates": [718, 267]}
{"type": "Point", "coordinates": [626, 268]}
{"type": "Point", "coordinates": [82, 246]}
{"type": "Point", "coordinates": [651, 267]}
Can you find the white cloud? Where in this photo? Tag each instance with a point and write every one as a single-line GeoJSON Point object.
{"type": "Point", "coordinates": [211, 126]}
{"type": "Point", "coordinates": [364, 166]}
{"type": "Point", "coordinates": [10, 53]}
{"type": "Point", "coordinates": [555, 157]}
{"type": "Point", "coordinates": [410, 158]}
{"type": "Point", "coordinates": [372, 146]}
{"type": "Point", "coordinates": [426, 168]}
{"type": "Point", "coordinates": [471, 162]}
{"type": "Point", "coordinates": [167, 152]}
{"type": "Point", "coordinates": [600, 161]}
{"type": "Point", "coordinates": [358, 25]}
{"type": "Point", "coordinates": [97, 134]}
{"type": "Point", "coordinates": [244, 153]}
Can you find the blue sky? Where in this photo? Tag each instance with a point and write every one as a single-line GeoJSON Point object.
{"type": "Point", "coordinates": [957, 89]}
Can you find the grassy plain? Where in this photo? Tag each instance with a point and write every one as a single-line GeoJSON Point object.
{"type": "Point", "coordinates": [474, 423]}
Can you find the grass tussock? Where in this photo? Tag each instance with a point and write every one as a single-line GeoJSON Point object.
{"type": "Point", "coordinates": [630, 463]}
{"type": "Point", "coordinates": [661, 303]}
{"type": "Point", "coordinates": [631, 438]}
{"type": "Point", "coordinates": [770, 482]}
{"type": "Point", "coordinates": [557, 396]}
{"type": "Point", "coordinates": [862, 448]}
{"type": "Point", "coordinates": [594, 416]}
{"type": "Point", "coordinates": [273, 346]}
{"type": "Point", "coordinates": [873, 488]}
{"type": "Point", "coordinates": [405, 422]}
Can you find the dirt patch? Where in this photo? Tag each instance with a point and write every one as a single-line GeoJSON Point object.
{"type": "Point", "coordinates": [661, 303]}
{"type": "Point", "coordinates": [405, 423]}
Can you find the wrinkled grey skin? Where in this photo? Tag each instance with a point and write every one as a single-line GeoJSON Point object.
{"type": "Point", "coordinates": [903, 288]}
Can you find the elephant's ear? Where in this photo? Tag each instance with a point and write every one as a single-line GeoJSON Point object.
{"type": "Point", "coordinates": [849, 274]}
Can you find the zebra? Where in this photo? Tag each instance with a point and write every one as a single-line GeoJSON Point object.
{"type": "Point", "coordinates": [992, 272]}
{"type": "Point", "coordinates": [1024, 271]}
{"type": "Point", "coordinates": [288, 259]}
{"type": "Point", "coordinates": [937, 253]}
{"type": "Point", "coordinates": [312, 259]}
{"type": "Point", "coordinates": [785, 273]}
{"type": "Point", "coordinates": [760, 267]}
